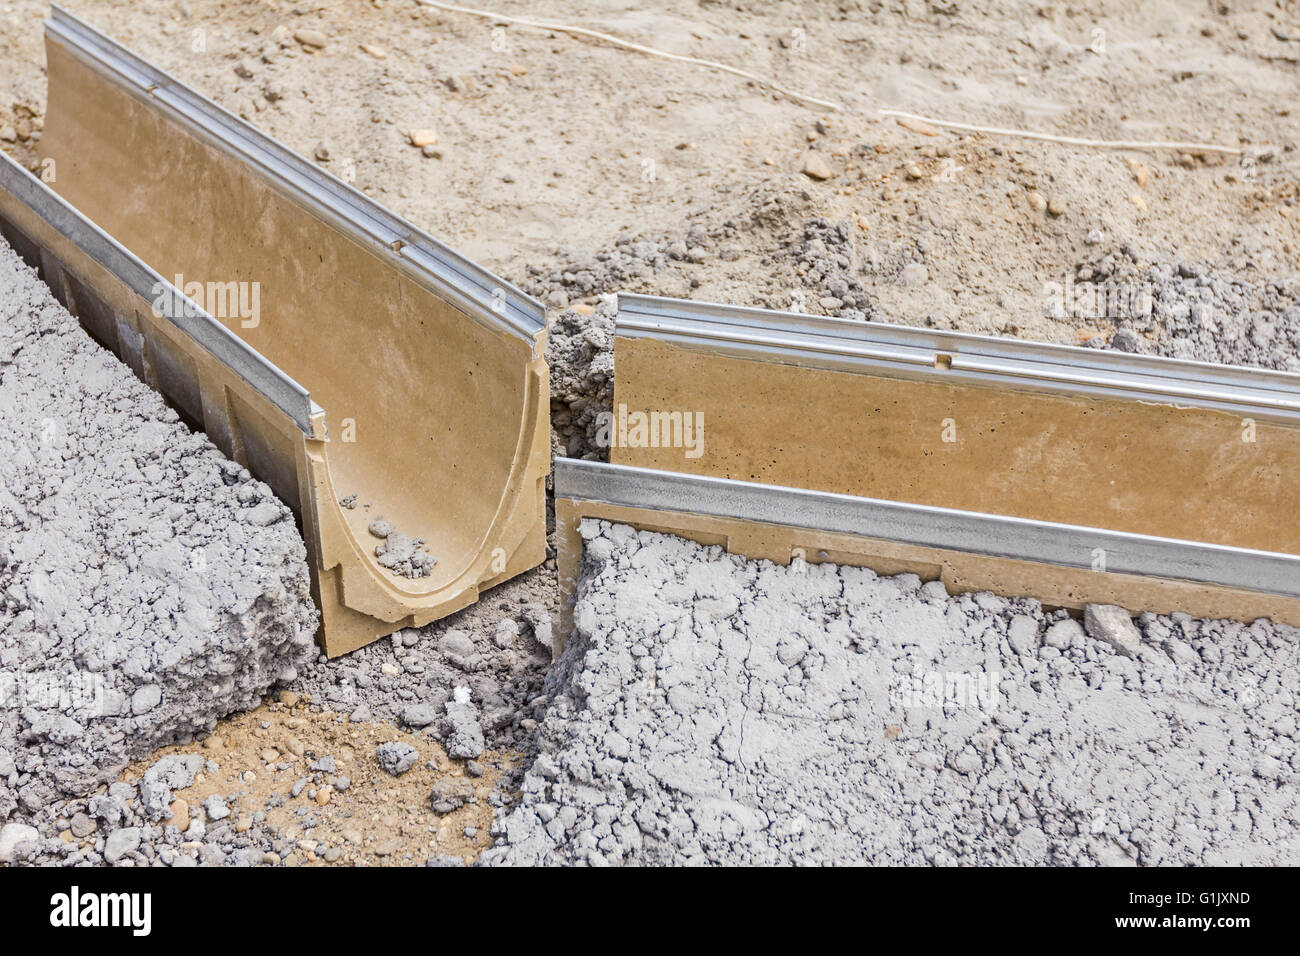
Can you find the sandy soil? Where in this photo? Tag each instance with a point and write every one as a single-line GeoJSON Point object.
{"type": "Point", "coordinates": [376, 819]}
{"type": "Point", "coordinates": [550, 147]}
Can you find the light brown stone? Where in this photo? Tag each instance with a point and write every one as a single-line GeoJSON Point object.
{"type": "Point", "coordinates": [180, 815]}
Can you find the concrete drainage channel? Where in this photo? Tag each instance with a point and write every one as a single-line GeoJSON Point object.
{"type": "Point", "coordinates": [807, 643]}
{"type": "Point", "coordinates": [455, 462]}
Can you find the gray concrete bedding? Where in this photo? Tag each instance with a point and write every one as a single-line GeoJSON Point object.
{"type": "Point", "coordinates": [148, 586]}
{"type": "Point", "coordinates": [714, 710]}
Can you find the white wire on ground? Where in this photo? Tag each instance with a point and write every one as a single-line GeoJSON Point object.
{"type": "Point", "coordinates": [1069, 140]}
{"type": "Point", "coordinates": [763, 81]}
{"type": "Point", "coordinates": [649, 51]}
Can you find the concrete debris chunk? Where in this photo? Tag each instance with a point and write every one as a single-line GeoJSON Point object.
{"type": "Point", "coordinates": [11, 836]}
{"type": "Point", "coordinates": [107, 808]}
{"type": "Point", "coordinates": [464, 733]}
{"type": "Point", "coordinates": [458, 647]}
{"type": "Point", "coordinates": [1112, 625]}
{"type": "Point", "coordinates": [120, 843]}
{"type": "Point", "coordinates": [1022, 634]}
{"type": "Point", "coordinates": [1063, 633]}
{"type": "Point", "coordinates": [419, 715]}
{"type": "Point", "coordinates": [215, 807]}
{"type": "Point", "coordinates": [404, 555]}
{"type": "Point", "coordinates": [450, 794]}
{"type": "Point", "coordinates": [325, 764]}
{"type": "Point", "coordinates": [396, 757]}
{"type": "Point", "coordinates": [171, 773]}
{"type": "Point", "coordinates": [146, 699]}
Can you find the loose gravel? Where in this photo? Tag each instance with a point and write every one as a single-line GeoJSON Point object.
{"type": "Point", "coordinates": [580, 355]}
{"type": "Point", "coordinates": [711, 709]}
{"type": "Point", "coordinates": [1185, 310]}
{"type": "Point", "coordinates": [467, 685]}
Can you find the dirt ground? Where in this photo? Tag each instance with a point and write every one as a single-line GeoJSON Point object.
{"type": "Point", "coordinates": [359, 814]}
{"type": "Point", "coordinates": [551, 146]}
{"type": "Point", "coordinates": [551, 149]}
